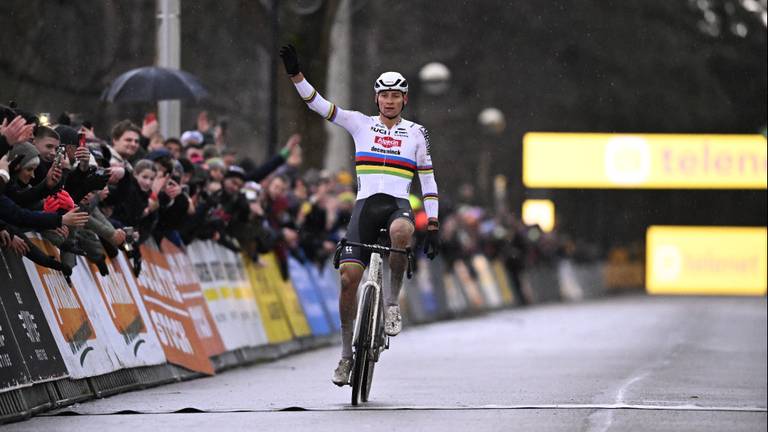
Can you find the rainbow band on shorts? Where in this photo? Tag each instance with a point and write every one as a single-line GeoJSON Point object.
{"type": "Point", "coordinates": [352, 261]}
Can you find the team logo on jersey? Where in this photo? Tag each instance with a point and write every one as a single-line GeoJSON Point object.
{"type": "Point", "coordinates": [379, 129]}
{"type": "Point", "coordinates": [384, 151]}
{"type": "Point", "coordinates": [426, 139]}
{"type": "Point", "coordinates": [400, 132]}
{"type": "Point", "coordinates": [387, 142]}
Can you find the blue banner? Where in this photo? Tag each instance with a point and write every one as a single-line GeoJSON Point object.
{"type": "Point", "coordinates": [328, 284]}
{"type": "Point", "coordinates": [309, 297]}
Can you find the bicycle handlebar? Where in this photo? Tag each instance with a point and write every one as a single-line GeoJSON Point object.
{"type": "Point", "coordinates": [374, 247]}
{"type": "Point", "coordinates": [408, 252]}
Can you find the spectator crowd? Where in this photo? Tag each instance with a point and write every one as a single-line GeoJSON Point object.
{"type": "Point", "coordinates": [93, 194]}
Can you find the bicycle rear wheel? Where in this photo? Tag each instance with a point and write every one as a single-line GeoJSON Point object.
{"type": "Point", "coordinates": [362, 345]}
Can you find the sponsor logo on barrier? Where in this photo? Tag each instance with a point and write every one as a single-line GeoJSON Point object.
{"type": "Point", "coordinates": [28, 351]}
{"type": "Point", "coordinates": [203, 273]}
{"type": "Point", "coordinates": [200, 320]}
{"type": "Point", "coordinates": [275, 321]}
{"type": "Point", "coordinates": [70, 314]}
{"type": "Point", "coordinates": [187, 276]}
{"type": "Point", "coordinates": [171, 332]}
{"type": "Point", "coordinates": [160, 281]}
{"type": "Point", "coordinates": [120, 304]}
{"type": "Point", "coordinates": [165, 304]}
{"type": "Point", "coordinates": [30, 326]}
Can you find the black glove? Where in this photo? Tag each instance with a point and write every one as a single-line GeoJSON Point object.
{"type": "Point", "coordinates": [432, 243]}
{"type": "Point", "coordinates": [290, 59]}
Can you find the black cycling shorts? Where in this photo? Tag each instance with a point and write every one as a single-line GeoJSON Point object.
{"type": "Point", "coordinates": [369, 216]}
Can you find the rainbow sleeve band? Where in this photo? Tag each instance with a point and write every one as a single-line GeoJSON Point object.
{"type": "Point", "coordinates": [331, 113]}
{"type": "Point", "coordinates": [426, 170]}
{"type": "Point", "coordinates": [311, 97]}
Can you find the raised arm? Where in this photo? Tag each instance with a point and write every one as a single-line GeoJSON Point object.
{"type": "Point", "coordinates": [349, 120]}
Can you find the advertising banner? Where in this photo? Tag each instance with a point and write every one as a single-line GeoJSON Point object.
{"type": "Point", "coordinates": [469, 285]}
{"type": "Point", "coordinates": [287, 295]}
{"type": "Point", "coordinates": [502, 279]}
{"type": "Point", "coordinates": [271, 310]}
{"type": "Point", "coordinates": [237, 335]}
{"type": "Point", "coordinates": [13, 371]}
{"type": "Point", "coordinates": [188, 284]}
{"type": "Point", "coordinates": [328, 282]}
{"type": "Point", "coordinates": [25, 330]}
{"type": "Point", "coordinates": [81, 342]}
{"type": "Point", "coordinates": [666, 161]}
{"type": "Point", "coordinates": [214, 293]}
{"type": "Point", "coordinates": [425, 290]}
{"type": "Point", "coordinates": [251, 326]}
{"type": "Point", "coordinates": [165, 305]}
{"type": "Point", "coordinates": [487, 282]}
{"type": "Point", "coordinates": [456, 301]}
{"type": "Point", "coordinates": [437, 270]}
{"type": "Point", "coordinates": [309, 296]}
{"type": "Point", "coordinates": [699, 260]}
{"type": "Point", "coordinates": [117, 305]}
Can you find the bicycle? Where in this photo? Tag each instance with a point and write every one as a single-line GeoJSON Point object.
{"type": "Point", "coordinates": [369, 339]}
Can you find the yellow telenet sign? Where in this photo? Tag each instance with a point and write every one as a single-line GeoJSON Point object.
{"type": "Point", "coordinates": [706, 260]}
{"type": "Point", "coordinates": [656, 161]}
{"type": "Point", "coordinates": [539, 212]}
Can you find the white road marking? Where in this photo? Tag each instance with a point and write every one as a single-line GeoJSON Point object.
{"type": "Point", "coordinates": [605, 407]}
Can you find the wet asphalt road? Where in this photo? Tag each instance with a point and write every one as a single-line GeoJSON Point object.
{"type": "Point", "coordinates": [617, 364]}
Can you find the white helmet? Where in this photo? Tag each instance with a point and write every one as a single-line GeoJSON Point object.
{"type": "Point", "coordinates": [390, 81]}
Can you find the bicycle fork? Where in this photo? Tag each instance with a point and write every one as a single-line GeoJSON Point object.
{"type": "Point", "coordinates": [378, 340]}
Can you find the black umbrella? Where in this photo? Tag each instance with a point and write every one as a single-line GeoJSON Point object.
{"type": "Point", "coordinates": [151, 84]}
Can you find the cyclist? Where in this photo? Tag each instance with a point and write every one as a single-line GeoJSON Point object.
{"type": "Point", "coordinates": [389, 150]}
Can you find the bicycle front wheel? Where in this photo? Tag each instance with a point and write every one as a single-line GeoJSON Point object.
{"type": "Point", "coordinates": [360, 365]}
{"type": "Point", "coordinates": [375, 344]}
{"type": "Point", "coordinates": [365, 391]}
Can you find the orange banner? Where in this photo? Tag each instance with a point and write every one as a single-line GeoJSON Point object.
{"type": "Point", "coordinates": [168, 312]}
{"type": "Point", "coordinates": [116, 293]}
{"type": "Point", "coordinates": [75, 322]}
{"type": "Point", "coordinates": [71, 316]}
{"type": "Point", "coordinates": [187, 283]}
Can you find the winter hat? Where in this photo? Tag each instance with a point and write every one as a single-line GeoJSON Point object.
{"type": "Point", "coordinates": [68, 135]}
{"type": "Point", "coordinates": [29, 153]}
{"type": "Point", "coordinates": [158, 154]}
{"type": "Point", "coordinates": [215, 163]}
{"type": "Point", "coordinates": [235, 171]}
{"type": "Point", "coordinates": [193, 138]}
